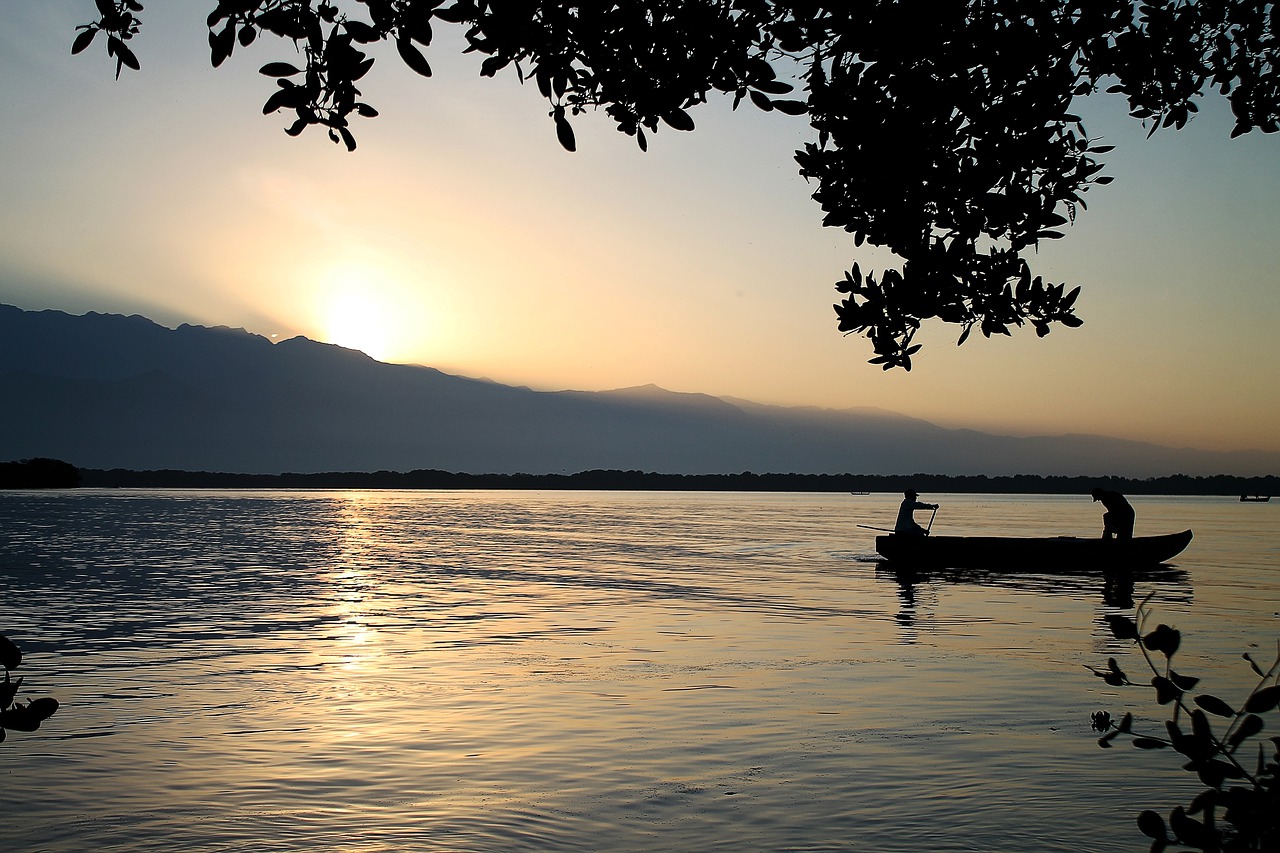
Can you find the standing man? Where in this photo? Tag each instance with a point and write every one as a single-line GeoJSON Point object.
{"type": "Point", "coordinates": [1118, 519]}
{"type": "Point", "coordinates": [906, 523]}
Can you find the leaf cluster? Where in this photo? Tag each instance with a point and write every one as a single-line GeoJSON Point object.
{"type": "Point", "coordinates": [120, 23]}
{"type": "Point", "coordinates": [1239, 808]}
{"type": "Point", "coordinates": [14, 715]}
{"type": "Point", "coordinates": [945, 135]}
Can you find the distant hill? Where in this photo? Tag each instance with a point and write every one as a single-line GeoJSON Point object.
{"type": "Point", "coordinates": [108, 391]}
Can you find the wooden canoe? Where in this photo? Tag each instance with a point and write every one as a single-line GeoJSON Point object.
{"type": "Point", "coordinates": [1030, 554]}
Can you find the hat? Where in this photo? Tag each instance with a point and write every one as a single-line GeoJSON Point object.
{"type": "Point", "coordinates": [1097, 493]}
{"type": "Point", "coordinates": [911, 493]}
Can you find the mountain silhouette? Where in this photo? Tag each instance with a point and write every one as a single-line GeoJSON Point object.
{"type": "Point", "coordinates": [107, 391]}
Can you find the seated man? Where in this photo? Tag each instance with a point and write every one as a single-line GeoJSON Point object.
{"type": "Point", "coordinates": [906, 523]}
{"type": "Point", "coordinates": [1117, 521]}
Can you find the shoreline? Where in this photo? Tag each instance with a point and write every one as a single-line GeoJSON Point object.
{"type": "Point", "coordinates": [607, 480]}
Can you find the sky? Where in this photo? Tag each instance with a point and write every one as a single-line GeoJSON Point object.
{"type": "Point", "coordinates": [460, 235]}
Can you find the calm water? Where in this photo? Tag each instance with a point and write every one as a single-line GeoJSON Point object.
{"type": "Point", "coordinates": [498, 671]}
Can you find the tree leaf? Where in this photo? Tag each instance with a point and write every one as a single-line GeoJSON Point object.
{"type": "Point", "coordinates": [290, 97]}
{"type": "Point", "coordinates": [1249, 726]}
{"type": "Point", "coordinates": [1166, 691]}
{"type": "Point", "coordinates": [1163, 639]}
{"type": "Point", "coordinates": [413, 57]}
{"type": "Point", "coordinates": [42, 708]}
{"type": "Point", "coordinates": [492, 65]}
{"type": "Point", "coordinates": [1206, 799]}
{"type": "Point", "coordinates": [1202, 733]}
{"type": "Point", "coordinates": [83, 40]}
{"type": "Point", "coordinates": [126, 57]}
{"type": "Point", "coordinates": [772, 87]}
{"type": "Point", "coordinates": [455, 14]}
{"type": "Point", "coordinates": [27, 718]}
{"type": "Point", "coordinates": [1264, 700]}
{"type": "Point", "coordinates": [564, 132]}
{"type": "Point", "coordinates": [221, 44]}
{"type": "Point", "coordinates": [679, 119]}
{"type": "Point", "coordinates": [8, 689]}
{"type": "Point", "coordinates": [1189, 830]}
{"type": "Point", "coordinates": [791, 108]}
{"type": "Point", "coordinates": [420, 29]}
{"type": "Point", "coordinates": [279, 69]}
{"type": "Point", "coordinates": [10, 655]}
{"type": "Point", "coordinates": [361, 32]}
{"type": "Point", "coordinates": [1214, 705]}
{"type": "Point", "coordinates": [1152, 825]}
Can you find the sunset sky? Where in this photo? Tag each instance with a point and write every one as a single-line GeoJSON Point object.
{"type": "Point", "coordinates": [460, 235]}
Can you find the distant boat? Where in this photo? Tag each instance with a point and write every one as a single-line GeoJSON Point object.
{"type": "Point", "coordinates": [1030, 554]}
{"type": "Point", "coordinates": [1255, 498]}
{"type": "Point", "coordinates": [867, 493]}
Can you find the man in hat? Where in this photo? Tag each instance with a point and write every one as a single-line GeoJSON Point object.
{"type": "Point", "coordinates": [906, 523]}
{"type": "Point", "coordinates": [1118, 519]}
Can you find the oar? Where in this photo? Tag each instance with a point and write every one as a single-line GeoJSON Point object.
{"type": "Point", "coordinates": [869, 527]}
{"type": "Point", "coordinates": [930, 527]}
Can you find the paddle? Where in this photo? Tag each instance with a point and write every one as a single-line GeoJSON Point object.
{"type": "Point", "coordinates": [890, 529]}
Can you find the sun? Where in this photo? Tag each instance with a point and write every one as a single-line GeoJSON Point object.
{"type": "Point", "coordinates": [376, 306]}
{"type": "Point", "coordinates": [358, 321]}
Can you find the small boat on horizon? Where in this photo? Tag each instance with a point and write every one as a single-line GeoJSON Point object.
{"type": "Point", "coordinates": [1255, 498]}
{"type": "Point", "coordinates": [1008, 553]}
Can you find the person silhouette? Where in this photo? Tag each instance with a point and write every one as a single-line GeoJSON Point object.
{"type": "Point", "coordinates": [906, 523]}
{"type": "Point", "coordinates": [1117, 521]}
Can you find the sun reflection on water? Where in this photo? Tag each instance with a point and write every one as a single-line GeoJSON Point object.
{"type": "Point", "coordinates": [353, 579]}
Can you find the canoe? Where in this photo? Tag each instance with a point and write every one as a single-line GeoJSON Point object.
{"type": "Point", "coordinates": [1030, 554]}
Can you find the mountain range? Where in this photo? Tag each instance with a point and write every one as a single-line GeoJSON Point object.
{"type": "Point", "coordinates": [110, 391]}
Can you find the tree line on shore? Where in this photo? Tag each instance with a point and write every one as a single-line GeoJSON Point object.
{"type": "Point", "coordinates": [38, 474]}
{"type": "Point", "coordinates": [54, 473]}
{"type": "Point", "coordinates": [634, 480]}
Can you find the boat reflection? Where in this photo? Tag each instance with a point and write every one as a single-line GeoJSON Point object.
{"type": "Point", "coordinates": [1114, 587]}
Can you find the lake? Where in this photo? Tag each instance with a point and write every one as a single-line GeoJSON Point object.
{"type": "Point", "coordinates": [631, 671]}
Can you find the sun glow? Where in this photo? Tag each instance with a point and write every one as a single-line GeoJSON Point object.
{"type": "Point", "coordinates": [366, 308]}
{"type": "Point", "coordinates": [358, 322]}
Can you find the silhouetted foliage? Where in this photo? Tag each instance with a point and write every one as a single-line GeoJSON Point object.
{"type": "Point", "coordinates": [944, 133]}
{"type": "Point", "coordinates": [14, 715]}
{"type": "Point", "coordinates": [1025, 484]}
{"type": "Point", "coordinates": [1239, 808]}
{"type": "Point", "coordinates": [39, 473]}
